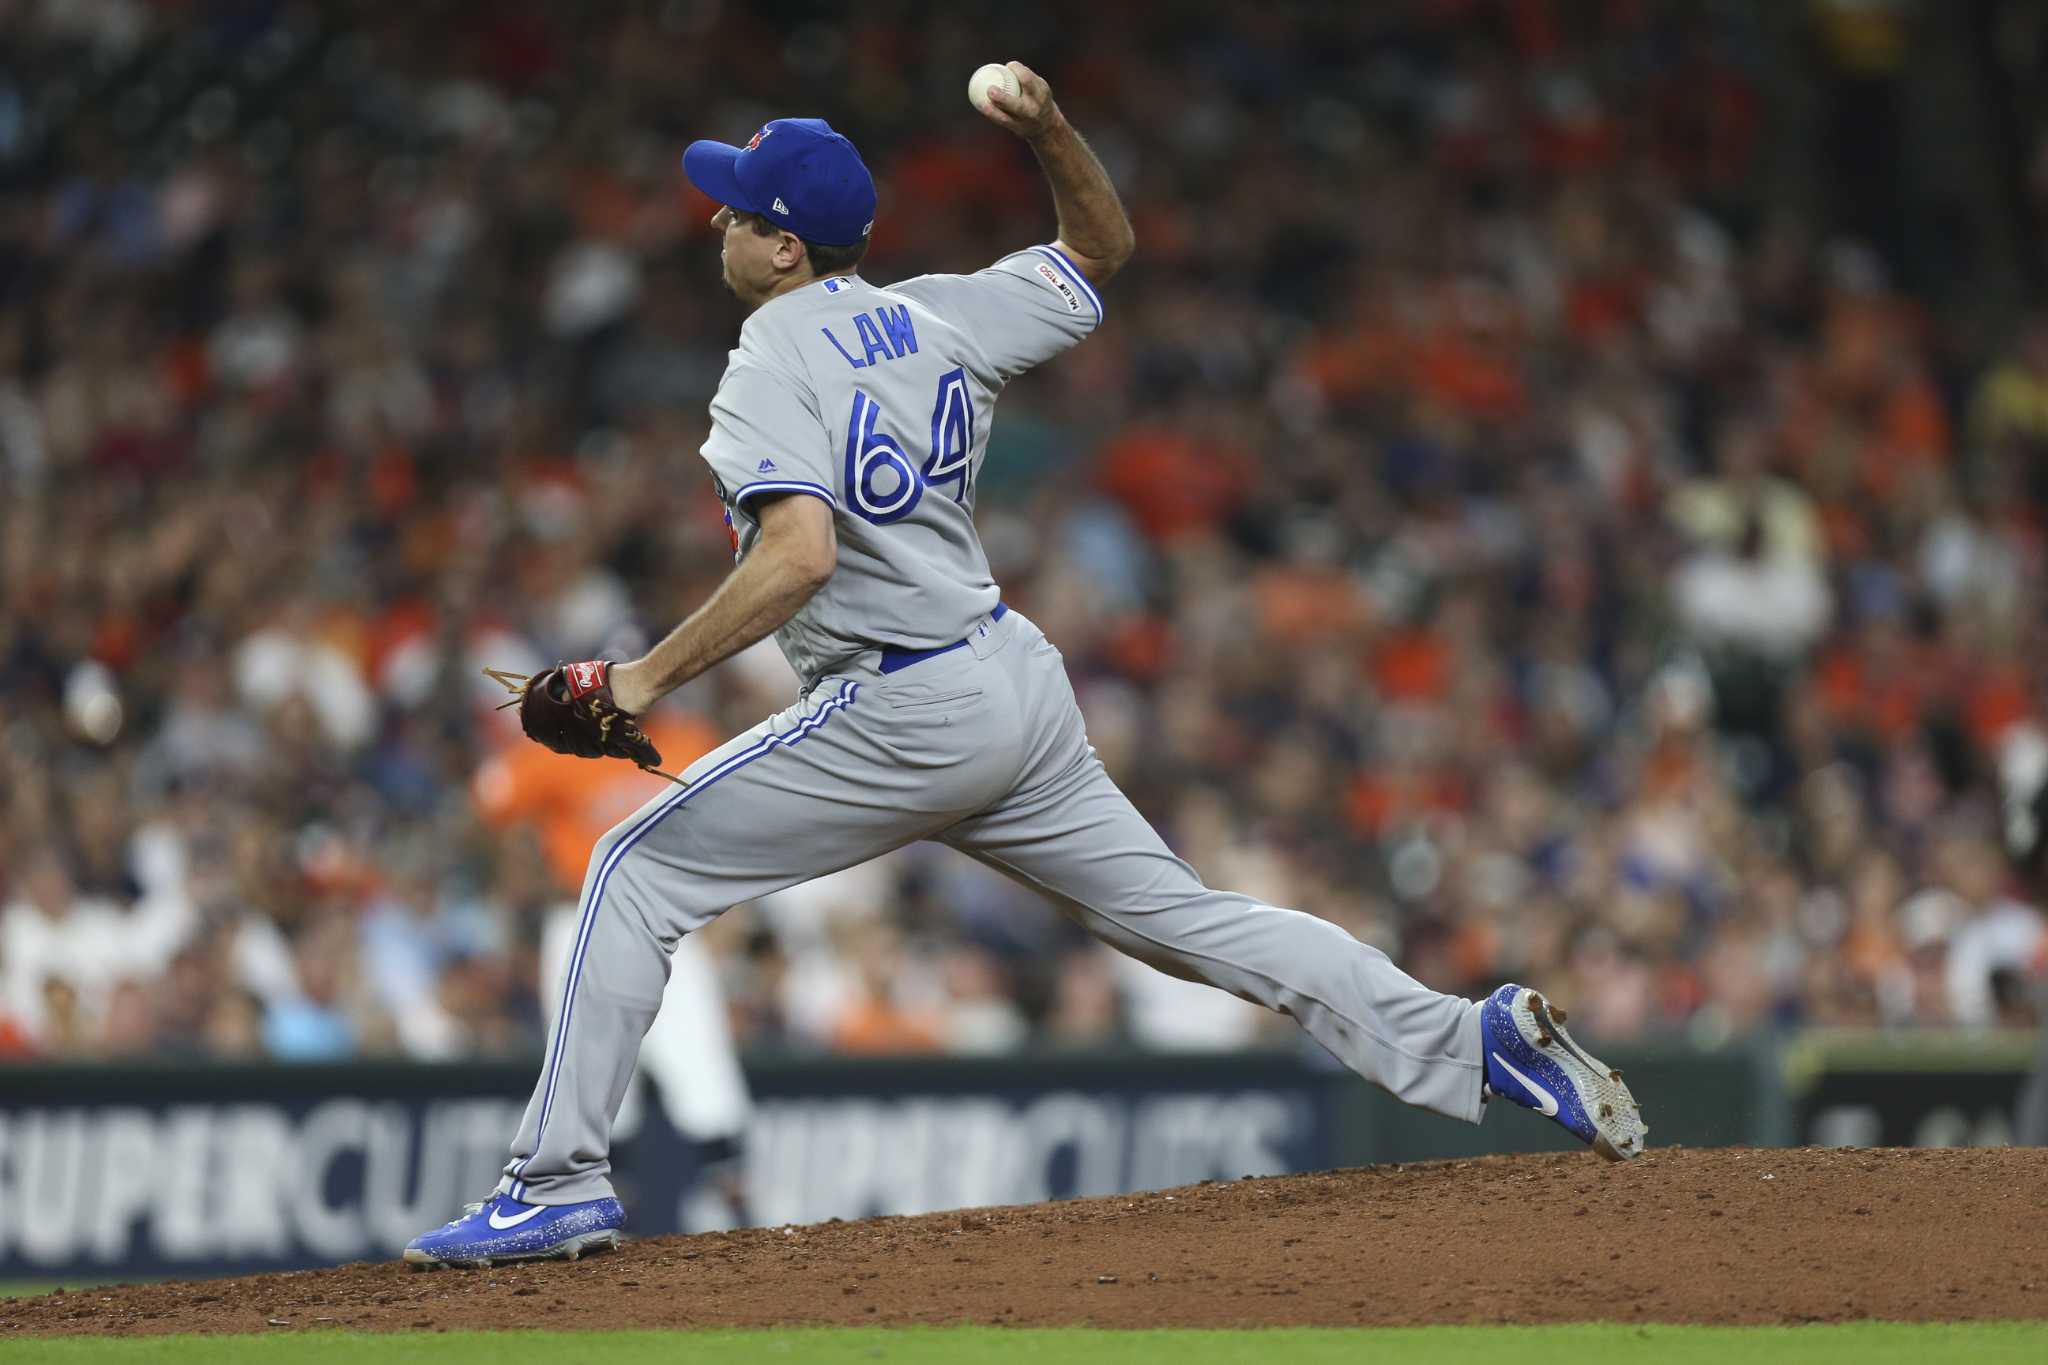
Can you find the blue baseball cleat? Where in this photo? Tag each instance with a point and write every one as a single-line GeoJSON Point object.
{"type": "Point", "coordinates": [1534, 1062]}
{"type": "Point", "coordinates": [503, 1229]}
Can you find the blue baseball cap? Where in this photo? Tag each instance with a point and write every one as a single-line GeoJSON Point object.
{"type": "Point", "coordinates": [797, 173]}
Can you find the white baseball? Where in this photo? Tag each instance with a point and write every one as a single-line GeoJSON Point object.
{"type": "Point", "coordinates": [986, 78]}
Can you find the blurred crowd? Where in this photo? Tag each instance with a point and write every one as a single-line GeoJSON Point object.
{"type": "Point", "coordinates": [1480, 521]}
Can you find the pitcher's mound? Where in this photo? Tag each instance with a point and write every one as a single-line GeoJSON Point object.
{"type": "Point", "coordinates": [1724, 1236]}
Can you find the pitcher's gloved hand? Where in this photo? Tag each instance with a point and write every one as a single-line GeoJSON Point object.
{"type": "Point", "coordinates": [569, 708]}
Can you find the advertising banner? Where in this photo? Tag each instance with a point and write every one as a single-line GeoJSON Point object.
{"type": "Point", "coordinates": [829, 1141]}
{"type": "Point", "coordinates": [118, 1172]}
{"type": "Point", "coordinates": [1906, 1090]}
{"type": "Point", "coordinates": [129, 1172]}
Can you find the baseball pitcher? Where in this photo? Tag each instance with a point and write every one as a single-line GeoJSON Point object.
{"type": "Point", "coordinates": [846, 439]}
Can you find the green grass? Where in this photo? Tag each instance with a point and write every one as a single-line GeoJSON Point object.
{"type": "Point", "coordinates": [1863, 1343]}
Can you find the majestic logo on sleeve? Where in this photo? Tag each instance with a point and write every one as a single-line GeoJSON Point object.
{"type": "Point", "coordinates": [765, 467]}
{"type": "Point", "coordinates": [1066, 291]}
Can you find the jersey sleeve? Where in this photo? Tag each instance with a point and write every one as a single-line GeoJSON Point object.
{"type": "Point", "coordinates": [767, 436]}
{"type": "Point", "coordinates": [1022, 311]}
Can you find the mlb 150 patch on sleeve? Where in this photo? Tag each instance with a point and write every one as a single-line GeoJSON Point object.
{"type": "Point", "coordinates": [1066, 291]}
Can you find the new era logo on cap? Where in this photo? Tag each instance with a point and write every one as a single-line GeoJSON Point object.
{"type": "Point", "coordinates": [780, 207]}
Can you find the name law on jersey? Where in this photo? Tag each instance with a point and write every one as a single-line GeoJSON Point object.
{"type": "Point", "coordinates": [890, 339]}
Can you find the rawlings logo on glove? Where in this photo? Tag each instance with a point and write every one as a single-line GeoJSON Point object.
{"type": "Point", "coordinates": [569, 709]}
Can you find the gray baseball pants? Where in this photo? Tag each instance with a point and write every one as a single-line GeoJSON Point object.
{"type": "Point", "coordinates": [981, 748]}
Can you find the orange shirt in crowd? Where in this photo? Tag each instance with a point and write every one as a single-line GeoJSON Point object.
{"type": "Point", "coordinates": [1298, 605]}
{"type": "Point", "coordinates": [1412, 665]}
{"type": "Point", "coordinates": [573, 801]}
{"type": "Point", "coordinates": [875, 1028]}
{"type": "Point", "coordinates": [1379, 798]}
{"type": "Point", "coordinates": [14, 1043]}
{"type": "Point", "coordinates": [1171, 484]}
{"type": "Point", "coordinates": [1890, 704]}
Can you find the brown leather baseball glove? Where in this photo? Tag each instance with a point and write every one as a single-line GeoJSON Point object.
{"type": "Point", "coordinates": [569, 708]}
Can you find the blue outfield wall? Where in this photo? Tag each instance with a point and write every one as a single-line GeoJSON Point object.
{"type": "Point", "coordinates": [117, 1172]}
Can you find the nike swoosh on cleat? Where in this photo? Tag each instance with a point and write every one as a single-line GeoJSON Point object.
{"type": "Point", "coordinates": [502, 1223]}
{"type": "Point", "coordinates": [1549, 1105]}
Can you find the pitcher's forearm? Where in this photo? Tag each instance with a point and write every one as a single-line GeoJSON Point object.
{"type": "Point", "coordinates": [1091, 216]}
{"type": "Point", "coordinates": [747, 608]}
{"type": "Point", "coordinates": [1093, 226]}
{"type": "Point", "coordinates": [793, 559]}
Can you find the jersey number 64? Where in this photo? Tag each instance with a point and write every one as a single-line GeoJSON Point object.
{"type": "Point", "coordinates": [882, 484]}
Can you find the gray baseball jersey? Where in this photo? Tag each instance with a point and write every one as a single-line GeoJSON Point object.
{"type": "Point", "coordinates": [878, 401]}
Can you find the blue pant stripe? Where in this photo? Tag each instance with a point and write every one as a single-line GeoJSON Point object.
{"type": "Point", "coordinates": [843, 698]}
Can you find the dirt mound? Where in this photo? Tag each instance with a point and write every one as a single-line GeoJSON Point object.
{"type": "Point", "coordinates": [1728, 1236]}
